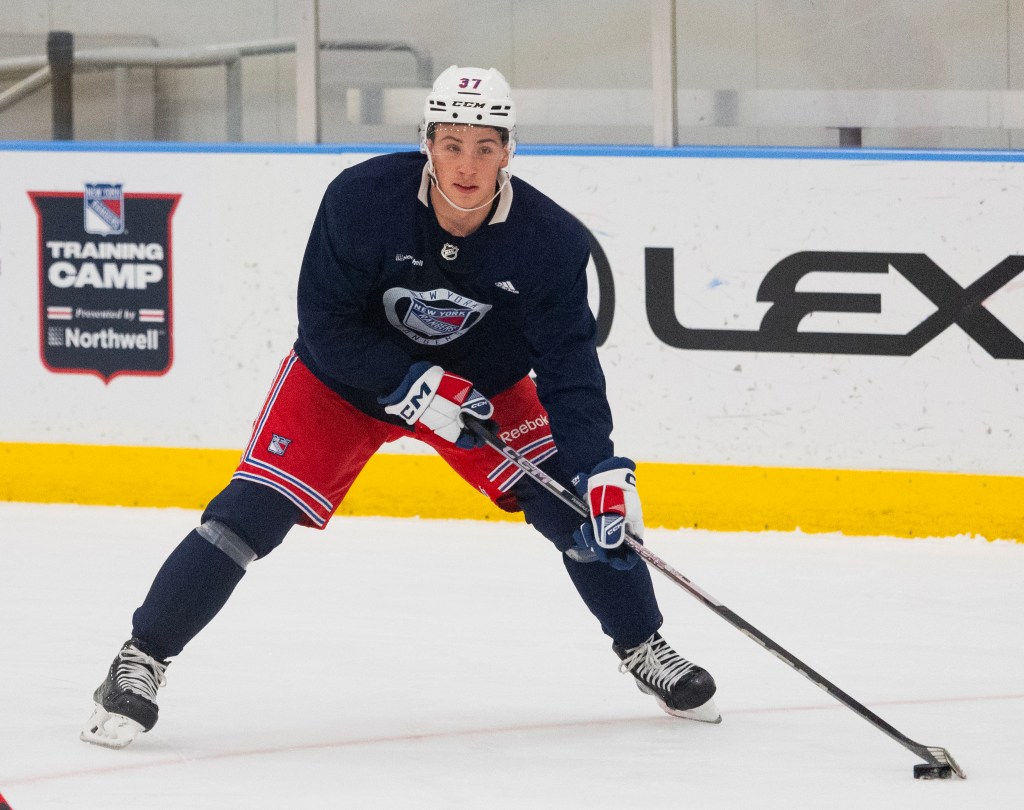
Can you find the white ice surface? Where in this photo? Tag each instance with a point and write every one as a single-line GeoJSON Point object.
{"type": "Point", "coordinates": [426, 664]}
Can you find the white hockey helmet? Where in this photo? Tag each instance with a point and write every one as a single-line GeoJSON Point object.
{"type": "Point", "coordinates": [468, 95]}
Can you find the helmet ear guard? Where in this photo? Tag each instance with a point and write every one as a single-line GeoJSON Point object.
{"type": "Point", "coordinates": [474, 96]}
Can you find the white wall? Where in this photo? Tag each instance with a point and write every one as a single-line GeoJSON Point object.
{"type": "Point", "coordinates": [241, 225]}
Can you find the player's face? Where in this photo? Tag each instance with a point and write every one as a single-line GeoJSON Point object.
{"type": "Point", "coordinates": [466, 161]}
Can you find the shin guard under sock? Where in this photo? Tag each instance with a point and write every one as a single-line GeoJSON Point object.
{"type": "Point", "coordinates": [623, 601]}
{"type": "Point", "coordinates": [189, 590]}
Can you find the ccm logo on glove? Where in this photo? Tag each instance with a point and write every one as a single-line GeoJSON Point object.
{"type": "Point", "coordinates": [435, 400]}
{"type": "Point", "coordinates": [455, 389]}
{"type": "Point", "coordinates": [614, 503]}
{"type": "Point", "coordinates": [611, 494]}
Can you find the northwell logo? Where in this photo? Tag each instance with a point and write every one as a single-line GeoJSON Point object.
{"type": "Point", "coordinates": [103, 339]}
{"type": "Point", "coordinates": [105, 280]}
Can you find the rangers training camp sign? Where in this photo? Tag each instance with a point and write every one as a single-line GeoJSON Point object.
{"type": "Point", "coordinates": [105, 280]}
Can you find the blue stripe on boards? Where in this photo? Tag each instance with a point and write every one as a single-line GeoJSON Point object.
{"type": "Point", "coordinates": [540, 150]}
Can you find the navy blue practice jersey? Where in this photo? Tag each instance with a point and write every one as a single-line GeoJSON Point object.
{"type": "Point", "coordinates": [382, 286]}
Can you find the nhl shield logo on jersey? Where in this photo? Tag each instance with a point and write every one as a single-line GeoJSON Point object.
{"type": "Point", "coordinates": [105, 280]}
{"type": "Point", "coordinates": [432, 317]}
{"type": "Point", "coordinates": [449, 252]}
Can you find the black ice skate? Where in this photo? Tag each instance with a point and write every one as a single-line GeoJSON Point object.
{"type": "Point", "coordinates": [681, 688]}
{"type": "Point", "coordinates": [126, 700]}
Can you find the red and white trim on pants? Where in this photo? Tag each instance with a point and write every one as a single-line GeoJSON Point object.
{"type": "Point", "coordinates": [309, 444]}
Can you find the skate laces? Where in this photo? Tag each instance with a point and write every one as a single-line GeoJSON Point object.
{"type": "Point", "coordinates": [656, 663]}
{"type": "Point", "coordinates": [140, 673]}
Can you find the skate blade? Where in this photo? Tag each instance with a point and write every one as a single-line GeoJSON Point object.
{"type": "Point", "coordinates": [705, 713]}
{"type": "Point", "coordinates": [109, 730]}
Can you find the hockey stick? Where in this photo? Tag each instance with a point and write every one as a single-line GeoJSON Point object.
{"type": "Point", "coordinates": [939, 763]}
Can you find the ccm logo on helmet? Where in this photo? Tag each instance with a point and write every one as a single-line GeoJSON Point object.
{"type": "Point", "coordinates": [474, 104]}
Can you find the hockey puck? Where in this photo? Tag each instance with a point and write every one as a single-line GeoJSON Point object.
{"type": "Point", "coordinates": [933, 772]}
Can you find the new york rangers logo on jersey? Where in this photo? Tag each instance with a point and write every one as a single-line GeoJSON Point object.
{"type": "Point", "coordinates": [432, 317]}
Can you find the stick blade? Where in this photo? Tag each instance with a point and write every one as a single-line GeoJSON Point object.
{"type": "Point", "coordinates": [941, 766]}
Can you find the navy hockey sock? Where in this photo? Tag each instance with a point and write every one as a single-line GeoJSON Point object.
{"type": "Point", "coordinates": [623, 601]}
{"type": "Point", "coordinates": [189, 590]}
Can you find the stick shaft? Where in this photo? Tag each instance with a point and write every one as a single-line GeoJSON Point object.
{"type": "Point", "coordinates": [580, 506]}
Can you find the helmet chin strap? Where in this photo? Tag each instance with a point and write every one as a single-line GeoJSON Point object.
{"type": "Point", "coordinates": [433, 179]}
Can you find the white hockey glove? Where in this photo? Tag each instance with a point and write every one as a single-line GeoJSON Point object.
{"type": "Point", "coordinates": [432, 399]}
{"type": "Point", "coordinates": [610, 491]}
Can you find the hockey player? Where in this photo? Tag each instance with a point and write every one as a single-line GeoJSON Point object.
{"type": "Point", "coordinates": [431, 286]}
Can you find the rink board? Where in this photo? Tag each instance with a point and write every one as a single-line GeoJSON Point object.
{"type": "Point", "coordinates": [828, 339]}
{"type": "Point", "coordinates": [721, 498]}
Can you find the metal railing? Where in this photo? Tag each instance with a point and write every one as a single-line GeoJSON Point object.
{"type": "Point", "coordinates": [36, 72]}
{"type": "Point", "coordinates": [847, 112]}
